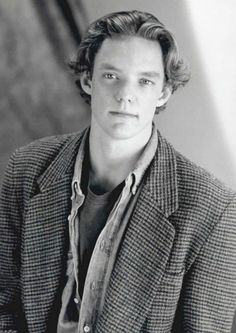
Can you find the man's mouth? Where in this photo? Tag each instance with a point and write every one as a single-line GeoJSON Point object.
{"type": "Point", "coordinates": [123, 114]}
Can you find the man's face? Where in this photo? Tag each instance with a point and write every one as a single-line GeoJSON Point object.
{"type": "Point", "coordinates": [126, 87]}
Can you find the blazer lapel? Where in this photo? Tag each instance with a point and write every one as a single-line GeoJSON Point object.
{"type": "Point", "coordinates": [145, 250]}
{"type": "Point", "coordinates": [45, 237]}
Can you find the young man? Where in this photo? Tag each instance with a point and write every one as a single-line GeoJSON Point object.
{"type": "Point", "coordinates": [111, 229]}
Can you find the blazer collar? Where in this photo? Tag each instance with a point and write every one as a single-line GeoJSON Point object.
{"type": "Point", "coordinates": [63, 164]}
{"type": "Point", "coordinates": [162, 181]}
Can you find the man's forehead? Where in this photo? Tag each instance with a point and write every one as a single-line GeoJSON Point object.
{"type": "Point", "coordinates": [122, 39]}
{"type": "Point", "coordinates": [116, 53]}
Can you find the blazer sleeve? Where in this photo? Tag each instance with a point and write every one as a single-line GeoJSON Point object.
{"type": "Point", "coordinates": [10, 224]}
{"type": "Point", "coordinates": [209, 292]}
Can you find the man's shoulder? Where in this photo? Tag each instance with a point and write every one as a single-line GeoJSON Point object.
{"type": "Point", "coordinates": [33, 159]}
{"type": "Point", "coordinates": [191, 181]}
{"type": "Point", "coordinates": [45, 148]}
{"type": "Point", "coordinates": [194, 178]}
{"type": "Point", "coordinates": [47, 143]}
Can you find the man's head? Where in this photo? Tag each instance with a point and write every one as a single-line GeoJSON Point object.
{"type": "Point", "coordinates": [132, 23]}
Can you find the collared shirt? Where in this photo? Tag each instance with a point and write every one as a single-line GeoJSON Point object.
{"type": "Point", "coordinates": [81, 315]}
{"type": "Point", "coordinates": [93, 216]}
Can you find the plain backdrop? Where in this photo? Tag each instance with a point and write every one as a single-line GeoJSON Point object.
{"type": "Point", "coordinates": [38, 97]}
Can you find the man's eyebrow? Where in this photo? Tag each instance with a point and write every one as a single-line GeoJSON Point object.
{"type": "Point", "coordinates": [151, 74]}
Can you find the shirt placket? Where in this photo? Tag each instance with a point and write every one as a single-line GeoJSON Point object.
{"type": "Point", "coordinates": [94, 283]}
{"type": "Point", "coordinates": [77, 201]}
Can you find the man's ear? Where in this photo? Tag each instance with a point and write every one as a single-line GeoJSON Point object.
{"type": "Point", "coordinates": [164, 96]}
{"type": "Point", "coordinates": [86, 82]}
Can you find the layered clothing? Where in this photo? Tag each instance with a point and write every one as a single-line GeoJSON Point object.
{"type": "Point", "coordinates": [175, 270]}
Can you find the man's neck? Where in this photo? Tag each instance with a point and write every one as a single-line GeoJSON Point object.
{"type": "Point", "coordinates": [112, 160]}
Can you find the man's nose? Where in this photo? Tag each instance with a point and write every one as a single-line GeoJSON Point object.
{"type": "Point", "coordinates": [125, 94]}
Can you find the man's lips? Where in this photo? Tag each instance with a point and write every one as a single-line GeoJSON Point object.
{"type": "Point", "coordinates": [123, 114]}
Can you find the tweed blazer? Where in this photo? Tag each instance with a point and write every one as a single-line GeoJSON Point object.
{"type": "Point", "coordinates": [175, 270]}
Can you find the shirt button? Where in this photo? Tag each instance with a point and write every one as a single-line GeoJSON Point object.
{"type": "Point", "coordinates": [86, 329]}
{"type": "Point", "coordinates": [93, 285]}
{"type": "Point", "coordinates": [76, 300]}
{"type": "Point", "coordinates": [105, 247]}
{"type": "Point", "coordinates": [102, 245]}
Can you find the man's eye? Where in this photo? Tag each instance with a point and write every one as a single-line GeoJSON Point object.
{"type": "Point", "coordinates": [146, 82]}
{"type": "Point", "coordinates": [110, 76]}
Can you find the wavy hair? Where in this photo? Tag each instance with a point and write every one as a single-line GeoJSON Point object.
{"type": "Point", "coordinates": [130, 23]}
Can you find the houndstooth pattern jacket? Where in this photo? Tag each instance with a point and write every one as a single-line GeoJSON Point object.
{"type": "Point", "coordinates": [176, 268]}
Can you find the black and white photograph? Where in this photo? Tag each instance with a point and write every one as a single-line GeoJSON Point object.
{"type": "Point", "coordinates": [117, 166]}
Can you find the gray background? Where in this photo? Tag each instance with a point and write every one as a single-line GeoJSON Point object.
{"type": "Point", "coordinates": [38, 96]}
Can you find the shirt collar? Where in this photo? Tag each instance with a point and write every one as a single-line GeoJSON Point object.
{"type": "Point", "coordinates": [134, 178]}
{"type": "Point", "coordinates": [144, 160]}
{"type": "Point", "coordinates": [76, 181]}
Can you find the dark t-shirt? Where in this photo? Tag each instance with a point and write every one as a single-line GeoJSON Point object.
{"type": "Point", "coordinates": [93, 216]}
